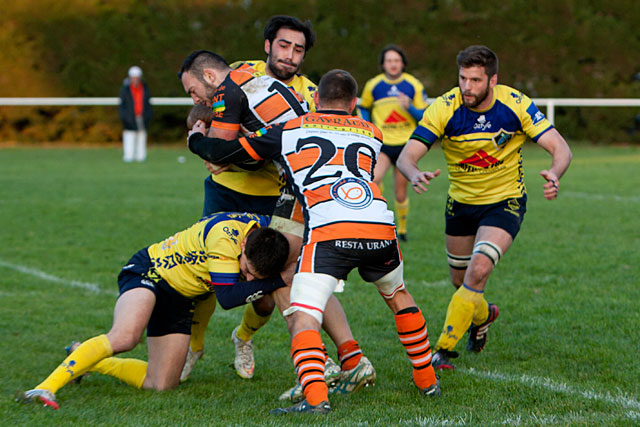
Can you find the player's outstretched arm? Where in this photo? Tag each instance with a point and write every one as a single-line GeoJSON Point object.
{"type": "Point", "coordinates": [407, 164]}
{"type": "Point", "coordinates": [561, 156]}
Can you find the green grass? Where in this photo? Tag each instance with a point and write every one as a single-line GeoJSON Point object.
{"type": "Point", "coordinates": [564, 350]}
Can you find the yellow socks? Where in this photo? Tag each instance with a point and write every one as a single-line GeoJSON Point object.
{"type": "Point", "coordinates": [482, 312]}
{"type": "Point", "coordinates": [466, 305]}
{"type": "Point", "coordinates": [402, 213]}
{"type": "Point", "coordinates": [203, 311]}
{"type": "Point", "coordinates": [77, 363]}
{"type": "Point", "coordinates": [131, 371]}
{"type": "Point", "coordinates": [251, 322]}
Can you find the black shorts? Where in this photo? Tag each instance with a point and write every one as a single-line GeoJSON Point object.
{"type": "Point", "coordinates": [373, 258]}
{"type": "Point", "coordinates": [392, 152]}
{"type": "Point", "coordinates": [464, 220]}
{"type": "Point", "coordinates": [173, 312]}
{"type": "Point", "coordinates": [218, 198]}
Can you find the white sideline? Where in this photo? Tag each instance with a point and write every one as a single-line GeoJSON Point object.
{"type": "Point", "coordinates": [530, 418]}
{"type": "Point", "coordinates": [591, 196]}
{"type": "Point", "coordinates": [92, 287]}
{"type": "Point", "coordinates": [51, 278]}
{"type": "Point", "coordinates": [621, 399]}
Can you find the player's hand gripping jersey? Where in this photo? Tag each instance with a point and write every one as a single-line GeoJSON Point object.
{"type": "Point", "coordinates": [329, 159]}
{"type": "Point", "coordinates": [194, 260]}
{"type": "Point", "coordinates": [483, 149]}
{"type": "Point", "coordinates": [380, 96]}
{"type": "Point", "coordinates": [246, 101]}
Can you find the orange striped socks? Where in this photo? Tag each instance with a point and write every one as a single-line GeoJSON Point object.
{"type": "Point", "coordinates": [412, 331]}
{"type": "Point", "coordinates": [308, 359]}
{"type": "Point", "coordinates": [350, 354]}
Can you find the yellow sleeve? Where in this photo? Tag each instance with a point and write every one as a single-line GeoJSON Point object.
{"type": "Point", "coordinates": [366, 100]}
{"type": "Point", "coordinates": [420, 97]}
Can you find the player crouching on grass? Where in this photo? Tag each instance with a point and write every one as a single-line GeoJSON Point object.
{"type": "Point", "coordinates": [158, 288]}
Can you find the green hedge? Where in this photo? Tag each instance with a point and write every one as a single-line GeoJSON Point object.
{"type": "Point", "coordinates": [547, 48]}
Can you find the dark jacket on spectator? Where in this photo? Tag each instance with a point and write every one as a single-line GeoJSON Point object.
{"type": "Point", "coordinates": [126, 111]}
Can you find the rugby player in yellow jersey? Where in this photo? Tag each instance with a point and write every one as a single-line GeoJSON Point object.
{"type": "Point", "coordinates": [287, 40]}
{"type": "Point", "coordinates": [482, 127]}
{"type": "Point", "coordinates": [158, 288]}
{"type": "Point", "coordinates": [394, 101]}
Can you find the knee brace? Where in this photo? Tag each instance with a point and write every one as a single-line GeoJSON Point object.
{"type": "Point", "coordinates": [458, 262]}
{"type": "Point", "coordinates": [392, 282]}
{"type": "Point", "coordinates": [488, 249]}
{"type": "Point", "coordinates": [310, 293]}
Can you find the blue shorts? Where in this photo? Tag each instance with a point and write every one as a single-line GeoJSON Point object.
{"type": "Point", "coordinates": [462, 219]}
{"type": "Point", "coordinates": [392, 152]}
{"type": "Point", "coordinates": [218, 198]}
{"type": "Point", "coordinates": [173, 312]}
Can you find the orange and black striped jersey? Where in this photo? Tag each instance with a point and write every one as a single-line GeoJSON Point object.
{"type": "Point", "coordinates": [300, 83]}
{"type": "Point", "coordinates": [328, 158]}
{"type": "Point", "coordinates": [246, 101]}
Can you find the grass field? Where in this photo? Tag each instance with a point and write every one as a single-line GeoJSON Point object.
{"type": "Point", "coordinates": [564, 350]}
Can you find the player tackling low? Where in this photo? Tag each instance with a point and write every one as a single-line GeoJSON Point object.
{"type": "Point", "coordinates": [329, 157]}
{"type": "Point", "coordinates": [482, 127]}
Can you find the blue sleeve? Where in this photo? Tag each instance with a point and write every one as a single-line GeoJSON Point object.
{"type": "Point", "coordinates": [230, 296]}
{"type": "Point", "coordinates": [365, 114]}
{"type": "Point", "coordinates": [416, 113]}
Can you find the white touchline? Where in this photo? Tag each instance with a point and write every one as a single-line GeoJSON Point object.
{"type": "Point", "coordinates": [620, 399]}
{"type": "Point", "coordinates": [524, 418]}
{"type": "Point", "coordinates": [51, 278]}
{"type": "Point", "coordinates": [597, 196]}
{"type": "Point", "coordinates": [84, 285]}
{"type": "Point", "coordinates": [437, 284]}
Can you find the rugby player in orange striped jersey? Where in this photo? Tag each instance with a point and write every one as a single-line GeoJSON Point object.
{"type": "Point", "coordinates": [286, 42]}
{"type": "Point", "coordinates": [347, 227]}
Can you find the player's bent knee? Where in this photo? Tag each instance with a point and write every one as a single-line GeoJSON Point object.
{"type": "Point", "coordinates": [123, 341]}
{"type": "Point", "coordinates": [488, 249]}
{"type": "Point", "coordinates": [389, 284]}
{"type": "Point", "coordinates": [160, 384]}
{"type": "Point", "coordinates": [264, 306]}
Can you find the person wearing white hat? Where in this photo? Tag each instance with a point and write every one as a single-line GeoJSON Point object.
{"type": "Point", "coordinates": [135, 112]}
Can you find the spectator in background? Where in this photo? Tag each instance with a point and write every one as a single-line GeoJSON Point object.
{"type": "Point", "coordinates": [135, 112]}
{"type": "Point", "coordinates": [394, 101]}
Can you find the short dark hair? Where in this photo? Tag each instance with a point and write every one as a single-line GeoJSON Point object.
{"type": "Point", "coordinates": [283, 21]}
{"type": "Point", "coordinates": [267, 250]}
{"type": "Point", "coordinates": [199, 112]}
{"type": "Point", "coordinates": [394, 48]}
{"type": "Point", "coordinates": [481, 56]}
{"type": "Point", "coordinates": [198, 60]}
{"type": "Point", "coordinates": [337, 85]}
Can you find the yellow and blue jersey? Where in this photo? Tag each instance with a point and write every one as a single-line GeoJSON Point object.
{"type": "Point", "coordinates": [483, 149]}
{"type": "Point", "coordinates": [380, 97]}
{"type": "Point", "coordinates": [300, 83]}
{"type": "Point", "coordinates": [192, 261]}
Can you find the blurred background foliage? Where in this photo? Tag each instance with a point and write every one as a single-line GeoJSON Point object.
{"type": "Point", "coordinates": [547, 48]}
